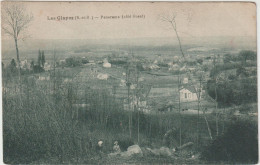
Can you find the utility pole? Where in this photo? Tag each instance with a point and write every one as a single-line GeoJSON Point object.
{"type": "Point", "coordinates": [224, 117]}
{"type": "Point", "coordinates": [128, 99]}
{"type": "Point", "coordinates": [137, 102]}
{"type": "Point", "coordinates": [198, 118]}
{"type": "Point", "coordinates": [54, 72]}
{"type": "Point", "coordinates": [179, 86]}
{"type": "Point", "coordinates": [114, 92]}
{"type": "Point", "coordinates": [216, 95]}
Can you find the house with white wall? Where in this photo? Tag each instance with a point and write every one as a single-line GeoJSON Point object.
{"type": "Point", "coordinates": [188, 94]}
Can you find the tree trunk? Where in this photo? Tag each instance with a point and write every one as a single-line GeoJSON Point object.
{"type": "Point", "coordinates": [209, 130]}
{"type": "Point", "coordinates": [18, 57]}
{"type": "Point", "coordinates": [216, 96]}
{"type": "Point", "coordinates": [138, 128]}
{"type": "Point", "coordinates": [130, 113]}
{"type": "Point", "coordinates": [198, 117]}
{"type": "Point", "coordinates": [216, 107]}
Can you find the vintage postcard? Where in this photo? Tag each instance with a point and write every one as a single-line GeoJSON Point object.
{"type": "Point", "coordinates": [129, 82]}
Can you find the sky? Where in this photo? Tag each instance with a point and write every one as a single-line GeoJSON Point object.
{"type": "Point", "coordinates": [193, 19]}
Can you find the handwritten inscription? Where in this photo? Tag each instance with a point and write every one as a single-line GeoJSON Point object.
{"type": "Point", "coordinates": [101, 17]}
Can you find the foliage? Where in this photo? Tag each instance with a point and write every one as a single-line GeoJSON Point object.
{"type": "Point", "coordinates": [32, 64]}
{"type": "Point", "coordinates": [239, 85]}
{"type": "Point", "coordinates": [162, 64]}
{"type": "Point", "coordinates": [15, 20]}
{"type": "Point", "coordinates": [192, 63]}
{"type": "Point", "coordinates": [245, 109]}
{"type": "Point", "coordinates": [85, 61]}
{"type": "Point", "coordinates": [140, 67]}
{"type": "Point", "coordinates": [238, 144]}
{"type": "Point", "coordinates": [118, 62]}
{"type": "Point", "coordinates": [231, 77]}
{"type": "Point", "coordinates": [125, 142]}
{"type": "Point", "coordinates": [227, 58]}
{"type": "Point", "coordinates": [200, 61]}
{"type": "Point", "coordinates": [242, 57]}
{"type": "Point", "coordinates": [73, 62]}
{"type": "Point", "coordinates": [38, 126]}
{"type": "Point", "coordinates": [10, 71]}
{"type": "Point", "coordinates": [44, 124]}
{"type": "Point", "coordinates": [82, 50]}
{"type": "Point", "coordinates": [247, 55]}
{"type": "Point", "coordinates": [222, 67]}
{"type": "Point", "coordinates": [12, 66]}
{"type": "Point", "coordinates": [236, 91]}
{"type": "Point", "coordinates": [41, 58]}
{"type": "Point", "coordinates": [37, 69]}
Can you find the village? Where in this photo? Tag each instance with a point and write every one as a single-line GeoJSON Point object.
{"type": "Point", "coordinates": [133, 86]}
{"type": "Point", "coordinates": [157, 81]}
{"type": "Point", "coordinates": [163, 85]}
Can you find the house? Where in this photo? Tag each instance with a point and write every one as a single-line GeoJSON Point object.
{"type": "Point", "coordinates": [188, 94]}
{"type": "Point", "coordinates": [102, 76]}
{"type": "Point", "coordinates": [138, 103]}
{"type": "Point", "coordinates": [24, 64]}
{"type": "Point", "coordinates": [122, 83]}
{"type": "Point", "coordinates": [173, 67]}
{"type": "Point", "coordinates": [107, 65]}
{"type": "Point", "coordinates": [154, 66]}
{"type": "Point", "coordinates": [47, 66]}
{"type": "Point", "coordinates": [185, 80]}
{"type": "Point", "coordinates": [100, 62]}
{"type": "Point", "coordinates": [62, 61]}
{"type": "Point", "coordinates": [44, 77]}
{"type": "Point", "coordinates": [92, 62]}
{"type": "Point", "coordinates": [67, 80]}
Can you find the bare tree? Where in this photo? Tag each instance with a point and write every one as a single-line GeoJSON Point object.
{"type": "Point", "coordinates": [172, 21]}
{"type": "Point", "coordinates": [15, 21]}
{"type": "Point", "coordinates": [173, 24]}
{"type": "Point", "coordinates": [128, 99]}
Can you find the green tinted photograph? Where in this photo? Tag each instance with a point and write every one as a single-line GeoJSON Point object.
{"type": "Point", "coordinates": [129, 82]}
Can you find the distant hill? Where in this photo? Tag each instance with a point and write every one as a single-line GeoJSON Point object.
{"type": "Point", "coordinates": [31, 46]}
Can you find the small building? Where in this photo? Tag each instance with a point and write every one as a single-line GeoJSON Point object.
{"type": "Point", "coordinates": [185, 80]}
{"type": "Point", "coordinates": [154, 66]}
{"type": "Point", "coordinates": [62, 61]}
{"type": "Point", "coordinates": [91, 62]}
{"type": "Point", "coordinates": [24, 64]}
{"type": "Point", "coordinates": [188, 94]}
{"type": "Point", "coordinates": [102, 76]}
{"type": "Point", "coordinates": [47, 66]}
{"type": "Point", "coordinates": [173, 67]}
{"type": "Point", "coordinates": [122, 83]}
{"type": "Point", "coordinates": [106, 64]}
{"type": "Point", "coordinates": [100, 62]}
{"type": "Point", "coordinates": [66, 80]}
{"type": "Point", "coordinates": [44, 77]}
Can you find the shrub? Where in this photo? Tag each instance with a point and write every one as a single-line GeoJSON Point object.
{"type": "Point", "coordinates": [245, 109]}
{"type": "Point", "coordinates": [124, 143]}
{"type": "Point", "coordinates": [237, 145]}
